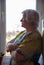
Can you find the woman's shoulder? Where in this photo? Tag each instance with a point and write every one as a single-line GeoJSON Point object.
{"type": "Point", "coordinates": [36, 34]}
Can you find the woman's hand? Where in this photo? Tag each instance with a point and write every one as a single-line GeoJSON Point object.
{"type": "Point", "coordinates": [11, 47]}
{"type": "Point", "coordinates": [16, 56]}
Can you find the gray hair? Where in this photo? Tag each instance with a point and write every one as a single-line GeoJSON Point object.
{"type": "Point", "coordinates": [33, 15]}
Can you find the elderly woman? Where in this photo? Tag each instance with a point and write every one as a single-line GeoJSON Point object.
{"type": "Point", "coordinates": [26, 47]}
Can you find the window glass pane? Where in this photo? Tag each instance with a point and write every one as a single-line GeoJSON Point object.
{"type": "Point", "coordinates": [13, 15]}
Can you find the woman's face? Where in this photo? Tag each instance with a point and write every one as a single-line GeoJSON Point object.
{"type": "Point", "coordinates": [24, 21]}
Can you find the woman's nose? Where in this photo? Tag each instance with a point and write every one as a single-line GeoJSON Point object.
{"type": "Point", "coordinates": [21, 20]}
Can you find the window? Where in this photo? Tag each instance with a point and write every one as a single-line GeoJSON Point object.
{"type": "Point", "coordinates": [42, 25]}
{"type": "Point", "coordinates": [13, 14]}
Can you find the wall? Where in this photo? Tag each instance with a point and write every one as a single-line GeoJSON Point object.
{"type": "Point", "coordinates": [40, 8]}
{"type": "Point", "coordinates": [2, 26]}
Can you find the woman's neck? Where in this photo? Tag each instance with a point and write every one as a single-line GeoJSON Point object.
{"type": "Point", "coordinates": [30, 29]}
